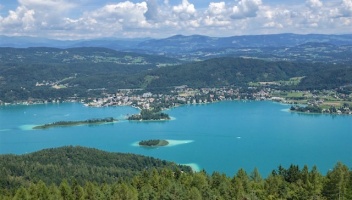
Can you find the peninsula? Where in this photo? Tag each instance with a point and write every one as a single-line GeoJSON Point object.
{"type": "Point", "coordinates": [75, 123]}
{"type": "Point", "coordinates": [153, 143]}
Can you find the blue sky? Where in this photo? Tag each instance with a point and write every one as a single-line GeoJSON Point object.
{"type": "Point", "coordinates": [83, 19]}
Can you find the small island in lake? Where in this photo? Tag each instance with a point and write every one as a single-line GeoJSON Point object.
{"type": "Point", "coordinates": [153, 114]}
{"type": "Point", "coordinates": [75, 123]}
{"type": "Point", "coordinates": [153, 143]}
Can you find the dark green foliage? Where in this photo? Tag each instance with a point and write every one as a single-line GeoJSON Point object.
{"type": "Point", "coordinates": [167, 181]}
{"type": "Point", "coordinates": [84, 164]}
{"type": "Point", "coordinates": [79, 69]}
{"type": "Point", "coordinates": [328, 77]}
{"type": "Point", "coordinates": [153, 143]}
{"type": "Point", "coordinates": [239, 72]}
{"type": "Point", "coordinates": [76, 123]}
{"type": "Point", "coordinates": [220, 72]}
{"type": "Point", "coordinates": [338, 183]}
{"type": "Point", "coordinates": [150, 115]}
{"type": "Point", "coordinates": [310, 109]}
{"type": "Point", "coordinates": [89, 72]}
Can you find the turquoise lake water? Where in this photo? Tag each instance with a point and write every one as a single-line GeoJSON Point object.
{"type": "Point", "coordinates": [222, 137]}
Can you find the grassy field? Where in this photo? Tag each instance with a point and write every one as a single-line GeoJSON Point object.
{"type": "Point", "coordinates": [291, 81]}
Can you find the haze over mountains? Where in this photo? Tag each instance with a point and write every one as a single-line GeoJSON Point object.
{"type": "Point", "coordinates": [291, 47]}
{"type": "Point", "coordinates": [189, 43]}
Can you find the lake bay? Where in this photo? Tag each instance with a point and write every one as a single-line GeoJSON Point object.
{"type": "Point", "coordinates": [220, 137]}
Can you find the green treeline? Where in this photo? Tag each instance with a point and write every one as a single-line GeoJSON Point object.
{"type": "Point", "coordinates": [75, 123]}
{"type": "Point", "coordinates": [82, 173]}
{"type": "Point", "coordinates": [85, 164]}
{"type": "Point", "coordinates": [309, 109]}
{"type": "Point", "coordinates": [289, 184]}
{"type": "Point", "coordinates": [228, 71]}
{"type": "Point", "coordinates": [344, 109]}
{"type": "Point", "coordinates": [153, 143]}
{"type": "Point", "coordinates": [79, 69]}
{"type": "Point", "coordinates": [154, 114]}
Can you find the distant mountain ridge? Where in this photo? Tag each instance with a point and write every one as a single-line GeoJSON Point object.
{"type": "Point", "coordinates": [196, 42]}
{"type": "Point", "coordinates": [192, 42]}
{"type": "Point", "coordinates": [278, 47]}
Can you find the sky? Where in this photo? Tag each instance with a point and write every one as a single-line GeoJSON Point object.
{"type": "Point", "coordinates": [88, 19]}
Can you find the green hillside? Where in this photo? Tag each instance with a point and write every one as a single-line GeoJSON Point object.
{"type": "Point", "coordinates": [49, 73]}
{"type": "Point", "coordinates": [46, 73]}
{"type": "Point", "coordinates": [239, 72]}
{"type": "Point", "coordinates": [83, 164]}
{"type": "Point", "coordinates": [82, 173]}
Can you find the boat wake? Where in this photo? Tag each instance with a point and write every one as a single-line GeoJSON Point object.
{"type": "Point", "coordinates": [27, 127]}
{"type": "Point", "coordinates": [178, 142]}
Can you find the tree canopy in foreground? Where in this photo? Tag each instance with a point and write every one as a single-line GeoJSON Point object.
{"type": "Point", "coordinates": [83, 173]}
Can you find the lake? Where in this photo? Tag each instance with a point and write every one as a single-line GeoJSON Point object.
{"type": "Point", "coordinates": [224, 136]}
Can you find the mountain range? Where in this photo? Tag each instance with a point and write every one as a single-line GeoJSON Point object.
{"type": "Point", "coordinates": [279, 47]}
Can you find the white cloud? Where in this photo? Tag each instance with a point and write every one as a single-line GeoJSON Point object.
{"type": "Point", "coordinates": [314, 4]}
{"type": "Point", "coordinates": [217, 8]}
{"type": "Point", "coordinates": [184, 11]}
{"type": "Point", "coordinates": [157, 18]}
{"type": "Point", "coordinates": [153, 12]}
{"type": "Point", "coordinates": [273, 25]}
{"type": "Point", "coordinates": [183, 16]}
{"type": "Point", "coordinates": [217, 14]}
{"type": "Point", "coordinates": [246, 8]}
{"type": "Point", "coordinates": [126, 13]}
{"type": "Point", "coordinates": [346, 8]}
{"type": "Point", "coordinates": [184, 7]}
{"type": "Point", "coordinates": [21, 19]}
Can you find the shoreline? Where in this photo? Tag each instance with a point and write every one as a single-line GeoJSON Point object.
{"type": "Point", "coordinates": [176, 106]}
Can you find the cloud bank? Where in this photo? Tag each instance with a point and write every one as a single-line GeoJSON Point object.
{"type": "Point", "coordinates": [66, 19]}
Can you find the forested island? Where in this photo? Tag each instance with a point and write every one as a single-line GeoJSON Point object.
{"type": "Point", "coordinates": [149, 115]}
{"type": "Point", "coordinates": [76, 123]}
{"type": "Point", "coordinates": [153, 143]}
{"type": "Point", "coordinates": [85, 173]}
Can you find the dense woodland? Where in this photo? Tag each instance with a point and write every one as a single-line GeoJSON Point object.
{"type": "Point", "coordinates": [82, 72]}
{"type": "Point", "coordinates": [83, 164]}
{"type": "Point", "coordinates": [149, 115]}
{"type": "Point", "coordinates": [76, 123]}
{"type": "Point", "coordinates": [49, 73]}
{"type": "Point", "coordinates": [82, 173]}
{"type": "Point", "coordinates": [153, 143]}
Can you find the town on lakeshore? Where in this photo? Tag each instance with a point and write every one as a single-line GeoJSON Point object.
{"type": "Point", "coordinates": [310, 101]}
{"type": "Point", "coordinates": [325, 101]}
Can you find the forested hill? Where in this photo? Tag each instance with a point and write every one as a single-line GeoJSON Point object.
{"type": "Point", "coordinates": [81, 55]}
{"type": "Point", "coordinates": [92, 174]}
{"type": "Point", "coordinates": [49, 73]}
{"type": "Point", "coordinates": [241, 71]}
{"type": "Point", "coordinates": [46, 73]}
{"type": "Point", "coordinates": [83, 164]}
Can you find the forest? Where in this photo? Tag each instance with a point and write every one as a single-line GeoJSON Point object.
{"type": "Point", "coordinates": [83, 173]}
{"type": "Point", "coordinates": [76, 123]}
{"type": "Point", "coordinates": [59, 74]}
{"type": "Point", "coordinates": [153, 143]}
{"type": "Point", "coordinates": [85, 164]}
{"type": "Point", "coordinates": [149, 115]}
